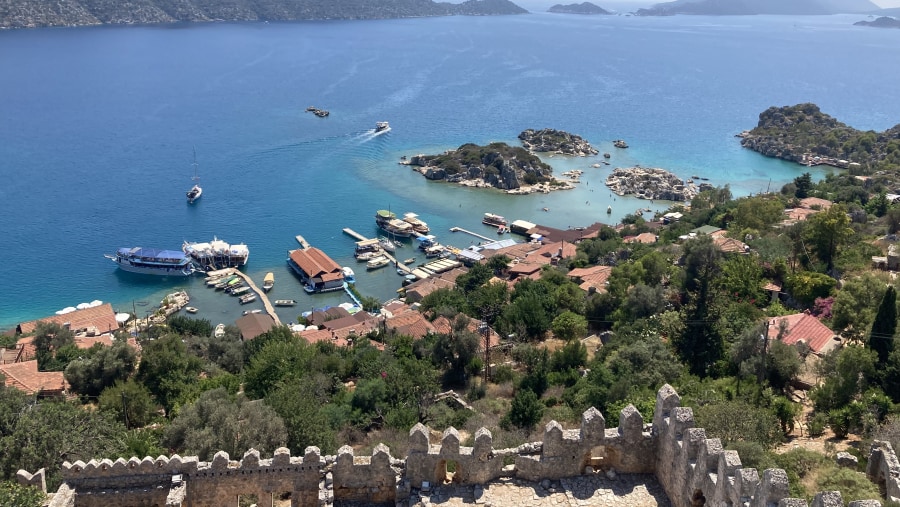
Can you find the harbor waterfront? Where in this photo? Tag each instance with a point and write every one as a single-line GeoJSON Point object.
{"type": "Point", "coordinates": [98, 127]}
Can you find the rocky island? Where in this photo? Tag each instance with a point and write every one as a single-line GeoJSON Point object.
{"type": "Point", "coordinates": [556, 141]}
{"type": "Point", "coordinates": [881, 22]}
{"type": "Point", "coordinates": [496, 165]}
{"type": "Point", "coordinates": [653, 184]}
{"type": "Point", "coordinates": [755, 7]}
{"type": "Point", "coordinates": [805, 135]}
{"type": "Point", "coordinates": [582, 8]}
{"type": "Point", "coordinates": [41, 13]}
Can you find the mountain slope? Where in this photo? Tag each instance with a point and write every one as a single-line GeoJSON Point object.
{"type": "Point", "coordinates": [36, 13]}
{"type": "Point", "coordinates": [748, 7]}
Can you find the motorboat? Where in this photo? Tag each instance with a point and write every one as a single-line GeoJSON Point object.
{"type": "Point", "coordinates": [382, 126]}
{"type": "Point", "coordinates": [195, 192]}
{"type": "Point", "coordinates": [285, 302]}
{"type": "Point", "coordinates": [378, 262]}
{"type": "Point", "coordinates": [349, 275]}
{"type": "Point", "coordinates": [269, 281]}
{"type": "Point", "coordinates": [220, 331]}
{"type": "Point", "coordinates": [410, 260]}
{"type": "Point", "coordinates": [191, 309]}
{"type": "Point", "coordinates": [247, 298]}
{"type": "Point", "coordinates": [387, 245]}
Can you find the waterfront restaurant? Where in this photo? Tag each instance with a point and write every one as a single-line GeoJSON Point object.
{"type": "Point", "coordinates": [317, 271]}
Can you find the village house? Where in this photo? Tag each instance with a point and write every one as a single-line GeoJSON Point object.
{"type": "Point", "coordinates": [806, 329]}
{"type": "Point", "coordinates": [317, 271]}
{"type": "Point", "coordinates": [254, 324]}
{"type": "Point", "coordinates": [25, 377]}
{"type": "Point", "coordinates": [592, 279]}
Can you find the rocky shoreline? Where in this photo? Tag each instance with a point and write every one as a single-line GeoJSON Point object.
{"type": "Point", "coordinates": [653, 184]}
{"type": "Point", "coordinates": [556, 141]}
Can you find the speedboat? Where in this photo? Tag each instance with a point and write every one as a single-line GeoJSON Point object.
{"type": "Point", "coordinates": [191, 309]}
{"type": "Point", "coordinates": [220, 331]}
{"type": "Point", "coordinates": [349, 275]}
{"type": "Point", "coordinates": [382, 126]}
{"type": "Point", "coordinates": [194, 193]}
{"type": "Point", "coordinates": [285, 302]}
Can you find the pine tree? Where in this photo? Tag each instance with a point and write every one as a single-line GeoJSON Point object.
{"type": "Point", "coordinates": [881, 339]}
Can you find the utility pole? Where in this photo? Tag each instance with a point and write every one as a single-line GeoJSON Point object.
{"type": "Point", "coordinates": [765, 338]}
{"type": "Point", "coordinates": [485, 329]}
{"type": "Point", "coordinates": [124, 409]}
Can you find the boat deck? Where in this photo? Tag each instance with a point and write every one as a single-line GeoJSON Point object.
{"type": "Point", "coordinates": [359, 237]}
{"type": "Point", "coordinates": [479, 236]}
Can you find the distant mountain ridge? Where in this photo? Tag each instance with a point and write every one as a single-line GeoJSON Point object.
{"type": "Point", "coordinates": [881, 22]}
{"type": "Point", "coordinates": [40, 13]}
{"type": "Point", "coordinates": [582, 8]}
{"type": "Point", "coordinates": [752, 7]}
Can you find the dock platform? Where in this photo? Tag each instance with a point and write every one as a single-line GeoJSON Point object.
{"type": "Point", "coordinates": [262, 296]}
{"type": "Point", "coordinates": [353, 234]}
{"type": "Point", "coordinates": [470, 233]}
{"type": "Point", "coordinates": [303, 243]}
{"type": "Point", "coordinates": [359, 237]}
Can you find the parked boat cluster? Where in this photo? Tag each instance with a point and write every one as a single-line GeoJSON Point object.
{"type": "Point", "coordinates": [230, 283]}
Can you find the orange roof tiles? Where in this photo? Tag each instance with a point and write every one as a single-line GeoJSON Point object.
{"type": "Point", "coordinates": [102, 317]}
{"type": "Point", "coordinates": [805, 327]}
{"type": "Point", "coordinates": [314, 262]}
{"type": "Point", "coordinates": [411, 323]}
{"type": "Point", "coordinates": [730, 245]}
{"type": "Point", "coordinates": [644, 237]}
{"type": "Point", "coordinates": [25, 377]}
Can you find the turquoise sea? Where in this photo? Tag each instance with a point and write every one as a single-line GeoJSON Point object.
{"type": "Point", "coordinates": [97, 128]}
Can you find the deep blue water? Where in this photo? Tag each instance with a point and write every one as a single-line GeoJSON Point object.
{"type": "Point", "coordinates": [97, 128]}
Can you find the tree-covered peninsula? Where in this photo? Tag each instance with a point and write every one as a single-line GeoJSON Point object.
{"type": "Point", "coordinates": [804, 134]}
{"type": "Point", "coordinates": [582, 8]}
{"type": "Point", "coordinates": [40, 13]}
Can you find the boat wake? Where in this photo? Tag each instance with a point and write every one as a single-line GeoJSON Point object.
{"type": "Point", "coordinates": [370, 134]}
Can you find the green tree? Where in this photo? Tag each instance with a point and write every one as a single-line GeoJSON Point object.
{"type": "Point", "coordinates": [803, 184]}
{"type": "Point", "coordinates": [129, 402]}
{"type": "Point", "coordinates": [370, 304]}
{"type": "Point", "coordinates": [700, 344]}
{"type": "Point", "coordinates": [783, 364]}
{"type": "Point", "coordinates": [526, 316]}
{"type": "Point", "coordinates": [742, 278]}
{"type": "Point", "coordinates": [848, 372]}
{"type": "Point", "coordinates": [757, 213]}
{"type": "Point", "coordinates": [167, 370]}
{"type": "Point", "coordinates": [300, 404]}
{"type": "Point", "coordinates": [569, 326]}
{"type": "Point", "coordinates": [525, 411]}
{"type": "Point", "coordinates": [806, 286]}
{"type": "Point", "coordinates": [829, 230]}
{"type": "Point", "coordinates": [881, 338]}
{"type": "Point", "coordinates": [218, 421]}
{"type": "Point", "coordinates": [455, 350]}
{"type": "Point", "coordinates": [103, 367]}
{"type": "Point", "coordinates": [736, 421]}
{"type": "Point", "coordinates": [498, 264]}
{"type": "Point", "coordinates": [14, 495]}
{"type": "Point", "coordinates": [477, 276]}
{"type": "Point", "coordinates": [853, 311]}
{"type": "Point", "coordinates": [49, 339]}
{"type": "Point", "coordinates": [444, 301]}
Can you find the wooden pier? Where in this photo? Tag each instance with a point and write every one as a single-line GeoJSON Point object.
{"type": "Point", "coordinates": [359, 237]}
{"type": "Point", "coordinates": [303, 243]}
{"type": "Point", "coordinates": [479, 236]}
{"type": "Point", "coordinates": [261, 295]}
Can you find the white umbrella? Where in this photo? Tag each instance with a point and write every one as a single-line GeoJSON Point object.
{"type": "Point", "coordinates": [95, 302]}
{"type": "Point", "coordinates": [122, 318]}
{"type": "Point", "coordinates": [82, 306]}
{"type": "Point", "coordinates": [68, 309]}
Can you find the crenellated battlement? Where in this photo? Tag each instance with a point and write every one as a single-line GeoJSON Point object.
{"type": "Point", "coordinates": [692, 469]}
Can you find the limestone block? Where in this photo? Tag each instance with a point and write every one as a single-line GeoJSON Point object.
{"type": "Point", "coordinates": [864, 503]}
{"type": "Point", "coordinates": [729, 463]}
{"type": "Point", "coordinates": [593, 426]}
{"type": "Point", "coordinates": [381, 456]}
{"type": "Point", "coordinates": [418, 438]}
{"type": "Point", "coordinates": [36, 479]}
{"type": "Point", "coordinates": [792, 502]}
{"type": "Point", "coordinates": [631, 424]}
{"type": "Point", "coordinates": [845, 459]}
{"type": "Point", "coordinates": [484, 444]}
{"type": "Point", "coordinates": [450, 442]}
{"type": "Point", "coordinates": [828, 499]}
{"type": "Point", "coordinates": [120, 467]}
{"type": "Point", "coordinates": [250, 460]}
{"type": "Point", "coordinates": [282, 457]}
{"type": "Point", "coordinates": [746, 482]}
{"type": "Point", "coordinates": [312, 456]}
{"type": "Point", "coordinates": [134, 463]}
{"type": "Point", "coordinates": [693, 438]}
{"type": "Point", "coordinates": [666, 401]}
{"type": "Point", "coordinates": [553, 440]}
{"type": "Point", "coordinates": [682, 419]}
{"type": "Point", "coordinates": [708, 457]}
{"type": "Point", "coordinates": [220, 461]}
{"type": "Point", "coordinates": [148, 465]}
{"type": "Point", "coordinates": [772, 488]}
{"type": "Point", "coordinates": [345, 457]}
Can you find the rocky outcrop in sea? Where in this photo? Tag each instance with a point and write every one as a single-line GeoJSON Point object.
{"type": "Point", "coordinates": [496, 165]}
{"type": "Point", "coordinates": [556, 141]}
{"type": "Point", "coordinates": [40, 13]}
{"type": "Point", "coordinates": [651, 183]}
{"type": "Point", "coordinates": [582, 8]}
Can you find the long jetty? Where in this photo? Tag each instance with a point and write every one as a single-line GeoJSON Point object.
{"type": "Point", "coordinates": [359, 237]}
{"type": "Point", "coordinates": [479, 236]}
{"type": "Point", "coordinates": [262, 296]}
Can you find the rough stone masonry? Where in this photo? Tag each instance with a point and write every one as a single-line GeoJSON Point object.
{"type": "Point", "coordinates": [692, 469]}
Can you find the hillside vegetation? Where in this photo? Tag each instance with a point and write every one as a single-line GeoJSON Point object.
{"type": "Point", "coordinates": [38, 13]}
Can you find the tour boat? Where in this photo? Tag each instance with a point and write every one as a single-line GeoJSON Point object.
{"type": "Point", "coordinates": [493, 220]}
{"type": "Point", "coordinates": [417, 223]}
{"type": "Point", "coordinates": [269, 281]}
{"type": "Point", "coordinates": [152, 261]}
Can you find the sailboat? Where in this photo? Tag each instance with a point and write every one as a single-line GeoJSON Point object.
{"type": "Point", "coordinates": [195, 192]}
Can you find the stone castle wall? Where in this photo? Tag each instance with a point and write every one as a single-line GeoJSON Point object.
{"type": "Point", "coordinates": [692, 469]}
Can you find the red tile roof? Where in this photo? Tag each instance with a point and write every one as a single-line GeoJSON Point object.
{"type": "Point", "coordinates": [102, 318]}
{"type": "Point", "coordinates": [644, 237]}
{"type": "Point", "coordinates": [315, 263]}
{"type": "Point", "coordinates": [254, 324]}
{"type": "Point", "coordinates": [411, 323]}
{"type": "Point", "coordinates": [592, 278]}
{"type": "Point", "coordinates": [25, 377]}
{"type": "Point", "coordinates": [805, 327]}
{"type": "Point", "coordinates": [730, 245]}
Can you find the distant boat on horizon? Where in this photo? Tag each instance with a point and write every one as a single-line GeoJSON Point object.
{"type": "Point", "coordinates": [196, 191]}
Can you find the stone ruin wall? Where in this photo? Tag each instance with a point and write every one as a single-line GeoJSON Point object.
{"type": "Point", "coordinates": [693, 470]}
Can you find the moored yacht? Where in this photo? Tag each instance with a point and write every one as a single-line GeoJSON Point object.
{"type": "Point", "coordinates": [493, 220]}
{"type": "Point", "coordinates": [152, 261]}
{"type": "Point", "coordinates": [417, 224]}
